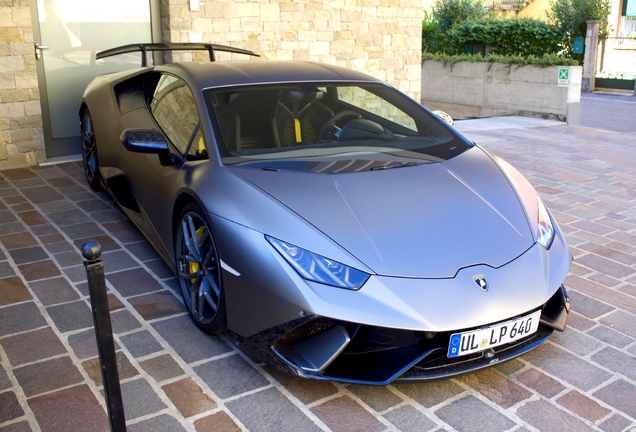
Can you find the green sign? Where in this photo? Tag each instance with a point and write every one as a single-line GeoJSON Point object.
{"type": "Point", "coordinates": [564, 75]}
{"type": "Point", "coordinates": [579, 42]}
{"type": "Point", "coordinates": [629, 8]}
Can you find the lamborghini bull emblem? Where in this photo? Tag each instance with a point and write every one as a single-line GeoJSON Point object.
{"type": "Point", "coordinates": [480, 280]}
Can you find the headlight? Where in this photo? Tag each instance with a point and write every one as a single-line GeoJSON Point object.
{"type": "Point", "coordinates": [319, 269]}
{"type": "Point", "coordinates": [545, 229]}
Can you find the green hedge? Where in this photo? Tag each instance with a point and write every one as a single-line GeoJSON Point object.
{"type": "Point", "coordinates": [544, 61]}
{"type": "Point", "coordinates": [511, 37]}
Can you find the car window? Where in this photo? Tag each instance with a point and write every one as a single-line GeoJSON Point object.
{"type": "Point", "coordinates": [327, 126]}
{"type": "Point", "coordinates": [372, 103]}
{"type": "Point", "coordinates": [175, 110]}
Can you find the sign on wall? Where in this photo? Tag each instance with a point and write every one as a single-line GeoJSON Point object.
{"type": "Point", "coordinates": [564, 77]}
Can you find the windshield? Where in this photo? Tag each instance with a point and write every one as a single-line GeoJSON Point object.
{"type": "Point", "coordinates": [327, 127]}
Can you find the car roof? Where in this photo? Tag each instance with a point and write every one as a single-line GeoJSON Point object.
{"type": "Point", "coordinates": [228, 73]}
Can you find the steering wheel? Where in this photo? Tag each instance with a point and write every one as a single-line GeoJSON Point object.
{"type": "Point", "coordinates": [333, 119]}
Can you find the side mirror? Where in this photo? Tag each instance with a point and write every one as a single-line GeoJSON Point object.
{"type": "Point", "coordinates": [144, 141]}
{"type": "Point", "coordinates": [444, 116]}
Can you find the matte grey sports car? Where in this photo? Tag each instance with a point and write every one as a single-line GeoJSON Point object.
{"type": "Point", "coordinates": [327, 223]}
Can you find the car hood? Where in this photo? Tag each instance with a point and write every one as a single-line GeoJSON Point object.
{"type": "Point", "coordinates": [424, 221]}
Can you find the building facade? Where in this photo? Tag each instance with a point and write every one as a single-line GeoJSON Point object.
{"type": "Point", "coordinates": [379, 37]}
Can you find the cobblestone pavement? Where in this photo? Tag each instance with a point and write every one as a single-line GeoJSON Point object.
{"type": "Point", "coordinates": [175, 378]}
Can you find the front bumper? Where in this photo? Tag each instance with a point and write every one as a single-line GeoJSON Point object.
{"type": "Point", "coordinates": [323, 348]}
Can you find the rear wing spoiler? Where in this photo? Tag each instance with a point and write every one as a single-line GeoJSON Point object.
{"type": "Point", "coordinates": [185, 46]}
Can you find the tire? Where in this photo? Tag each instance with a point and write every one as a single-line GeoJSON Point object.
{"type": "Point", "coordinates": [89, 152]}
{"type": "Point", "coordinates": [199, 270]}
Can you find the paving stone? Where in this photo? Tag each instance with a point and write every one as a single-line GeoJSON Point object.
{"type": "Point", "coordinates": [583, 406]}
{"type": "Point", "coordinates": [71, 316]}
{"type": "Point", "coordinates": [59, 246]}
{"type": "Point", "coordinates": [615, 423]}
{"type": "Point", "coordinates": [105, 242]}
{"type": "Point", "coordinates": [125, 369]}
{"type": "Point", "coordinates": [509, 367]}
{"type": "Point", "coordinates": [70, 410]}
{"type": "Point", "coordinates": [140, 399]}
{"type": "Point", "coordinates": [133, 282]}
{"type": "Point", "coordinates": [542, 383]}
{"type": "Point", "coordinates": [53, 291]}
{"type": "Point", "coordinates": [33, 218]}
{"type": "Point", "coordinates": [159, 268]}
{"type": "Point", "coordinates": [39, 270]}
{"type": "Point", "coordinates": [18, 240]}
{"type": "Point", "coordinates": [107, 216]}
{"type": "Point", "coordinates": [408, 419]}
{"type": "Point", "coordinates": [42, 230]}
{"type": "Point", "coordinates": [20, 317]}
{"type": "Point", "coordinates": [10, 408]}
{"type": "Point", "coordinates": [84, 344]}
{"type": "Point", "coordinates": [588, 306]}
{"type": "Point", "coordinates": [77, 193]}
{"type": "Point", "coordinates": [345, 414]}
{"type": "Point", "coordinates": [579, 322]}
{"type": "Point", "coordinates": [568, 367]}
{"type": "Point", "coordinates": [17, 174]}
{"type": "Point", "coordinates": [307, 391]}
{"type": "Point", "coordinates": [5, 382]}
{"type": "Point", "coordinates": [113, 302]}
{"type": "Point", "coordinates": [11, 228]}
{"type": "Point", "coordinates": [6, 216]}
{"type": "Point", "coordinates": [76, 274]}
{"type": "Point", "coordinates": [27, 255]}
{"type": "Point", "coordinates": [610, 253]}
{"type": "Point", "coordinates": [606, 266]}
{"type": "Point", "coordinates": [429, 394]}
{"type": "Point", "coordinates": [12, 290]}
{"type": "Point", "coordinates": [47, 375]}
{"type": "Point", "coordinates": [42, 194]}
{"type": "Point", "coordinates": [218, 422]}
{"type": "Point", "coordinates": [68, 259]}
{"type": "Point", "coordinates": [141, 344]}
{"type": "Point", "coordinates": [7, 192]}
{"type": "Point", "coordinates": [83, 289]}
{"type": "Point", "coordinates": [622, 322]}
{"type": "Point", "coordinates": [190, 343]}
{"type": "Point", "coordinates": [575, 341]}
{"type": "Point", "coordinates": [230, 376]}
{"type": "Point", "coordinates": [188, 397]}
{"type": "Point", "coordinates": [157, 305]}
{"type": "Point", "coordinates": [161, 423]}
{"type": "Point", "coordinates": [617, 361]}
{"type": "Point", "coordinates": [82, 230]}
{"type": "Point", "coordinates": [68, 217]}
{"type": "Point", "coordinates": [269, 410]}
{"type": "Point", "coordinates": [51, 238]}
{"type": "Point", "coordinates": [547, 418]}
{"type": "Point", "coordinates": [93, 205]}
{"type": "Point", "coordinates": [56, 206]}
{"type": "Point", "coordinates": [162, 367]}
{"type": "Point", "coordinates": [32, 346]}
{"type": "Point", "coordinates": [378, 398]}
{"type": "Point", "coordinates": [142, 250]}
{"type": "Point", "coordinates": [610, 336]}
{"type": "Point", "coordinates": [123, 321]}
{"type": "Point", "coordinates": [12, 200]}
{"type": "Point", "coordinates": [471, 414]}
{"type": "Point", "coordinates": [496, 387]}
{"type": "Point", "coordinates": [62, 181]}
{"type": "Point", "coordinates": [128, 236]}
{"type": "Point", "coordinates": [6, 270]}
{"type": "Point", "coordinates": [22, 426]}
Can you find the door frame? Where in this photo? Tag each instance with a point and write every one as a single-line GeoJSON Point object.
{"type": "Point", "coordinates": [72, 146]}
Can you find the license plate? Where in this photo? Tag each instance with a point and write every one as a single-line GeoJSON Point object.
{"type": "Point", "coordinates": [500, 334]}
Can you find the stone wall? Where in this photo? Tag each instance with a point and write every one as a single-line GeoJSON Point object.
{"type": "Point", "coordinates": [494, 89]}
{"type": "Point", "coordinates": [379, 37]}
{"type": "Point", "coordinates": [21, 136]}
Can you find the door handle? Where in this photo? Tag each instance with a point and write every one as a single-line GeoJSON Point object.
{"type": "Point", "coordinates": [38, 50]}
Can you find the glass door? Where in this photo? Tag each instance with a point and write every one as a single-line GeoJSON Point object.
{"type": "Point", "coordinates": [68, 33]}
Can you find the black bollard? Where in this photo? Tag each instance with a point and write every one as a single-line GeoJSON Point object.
{"type": "Point", "coordinates": [104, 333]}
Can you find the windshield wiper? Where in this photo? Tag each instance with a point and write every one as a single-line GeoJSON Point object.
{"type": "Point", "coordinates": [401, 165]}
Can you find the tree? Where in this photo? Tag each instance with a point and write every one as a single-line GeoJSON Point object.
{"type": "Point", "coordinates": [446, 13]}
{"type": "Point", "coordinates": [571, 16]}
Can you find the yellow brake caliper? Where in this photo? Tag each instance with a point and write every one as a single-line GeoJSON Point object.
{"type": "Point", "coordinates": [194, 266]}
